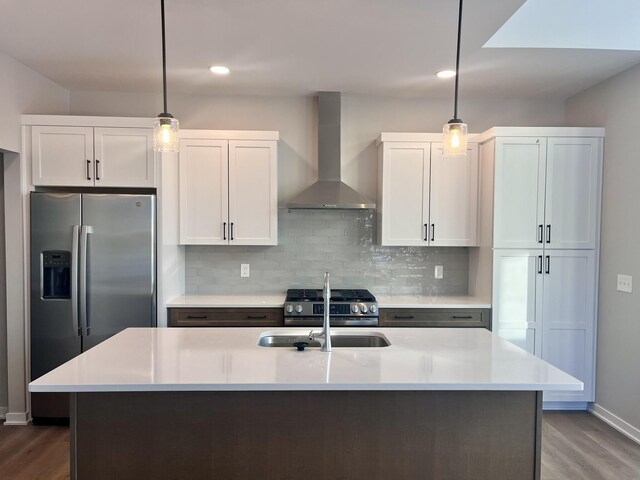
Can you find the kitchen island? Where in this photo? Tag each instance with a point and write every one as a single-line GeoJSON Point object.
{"type": "Point", "coordinates": [211, 403]}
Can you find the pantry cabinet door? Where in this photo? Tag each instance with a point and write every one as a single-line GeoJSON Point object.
{"type": "Point", "coordinates": [204, 192]}
{"type": "Point", "coordinates": [453, 202]}
{"type": "Point", "coordinates": [519, 192]}
{"type": "Point", "coordinates": [253, 192]}
{"type": "Point", "coordinates": [124, 157]}
{"type": "Point", "coordinates": [568, 310]}
{"type": "Point", "coordinates": [62, 156]}
{"type": "Point", "coordinates": [517, 297]}
{"type": "Point", "coordinates": [573, 169]}
{"type": "Point", "coordinates": [403, 208]}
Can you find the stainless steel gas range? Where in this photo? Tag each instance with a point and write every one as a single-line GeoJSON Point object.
{"type": "Point", "coordinates": [348, 308]}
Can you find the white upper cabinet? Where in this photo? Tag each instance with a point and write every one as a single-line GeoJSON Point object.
{"type": "Point", "coordinates": [228, 189]}
{"type": "Point", "coordinates": [62, 156]}
{"type": "Point", "coordinates": [571, 192]}
{"type": "Point", "coordinates": [404, 178]}
{"type": "Point", "coordinates": [546, 192]}
{"type": "Point", "coordinates": [454, 198]}
{"type": "Point", "coordinates": [425, 198]}
{"type": "Point", "coordinates": [124, 157]}
{"type": "Point", "coordinates": [204, 192]}
{"type": "Point", "coordinates": [70, 156]}
{"type": "Point", "coordinates": [253, 193]}
{"type": "Point", "coordinates": [519, 192]}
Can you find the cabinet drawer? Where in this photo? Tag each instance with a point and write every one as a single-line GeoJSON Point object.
{"type": "Point", "coordinates": [435, 317]}
{"type": "Point", "coordinates": [226, 317]}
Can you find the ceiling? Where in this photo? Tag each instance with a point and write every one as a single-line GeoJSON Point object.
{"type": "Point", "coordinates": [293, 47]}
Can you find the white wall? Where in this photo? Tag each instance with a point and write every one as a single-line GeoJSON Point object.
{"type": "Point", "coordinates": [614, 104]}
{"type": "Point", "coordinates": [295, 117]}
{"type": "Point", "coordinates": [22, 90]}
{"type": "Point", "coordinates": [4, 402]}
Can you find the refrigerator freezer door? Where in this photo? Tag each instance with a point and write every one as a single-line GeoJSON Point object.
{"type": "Point", "coordinates": [119, 233]}
{"type": "Point", "coordinates": [55, 219]}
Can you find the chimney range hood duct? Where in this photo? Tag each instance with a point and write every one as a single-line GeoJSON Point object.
{"type": "Point", "coordinates": [329, 192]}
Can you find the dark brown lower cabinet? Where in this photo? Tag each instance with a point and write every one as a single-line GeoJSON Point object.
{"type": "Point", "coordinates": [310, 435]}
{"type": "Point", "coordinates": [435, 317]}
{"type": "Point", "coordinates": [226, 317]}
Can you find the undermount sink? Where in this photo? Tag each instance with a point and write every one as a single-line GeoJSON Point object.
{"type": "Point", "coordinates": [338, 339]}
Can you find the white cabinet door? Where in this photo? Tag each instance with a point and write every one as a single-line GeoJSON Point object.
{"type": "Point", "coordinates": [569, 318]}
{"type": "Point", "coordinates": [454, 198]}
{"type": "Point", "coordinates": [62, 156]}
{"type": "Point", "coordinates": [124, 157]}
{"type": "Point", "coordinates": [253, 193]}
{"type": "Point", "coordinates": [571, 192]}
{"type": "Point", "coordinates": [519, 192]}
{"type": "Point", "coordinates": [204, 192]}
{"type": "Point", "coordinates": [404, 206]}
{"type": "Point", "coordinates": [517, 297]}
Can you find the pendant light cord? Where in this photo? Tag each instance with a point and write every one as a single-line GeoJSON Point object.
{"type": "Point", "coordinates": [455, 98]}
{"type": "Point", "coordinates": [164, 59]}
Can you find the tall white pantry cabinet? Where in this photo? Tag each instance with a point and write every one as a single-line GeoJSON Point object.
{"type": "Point", "coordinates": [546, 228]}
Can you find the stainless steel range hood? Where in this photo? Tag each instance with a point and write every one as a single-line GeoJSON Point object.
{"type": "Point", "coordinates": [329, 192]}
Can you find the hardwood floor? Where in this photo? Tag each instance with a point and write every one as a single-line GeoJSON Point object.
{"type": "Point", "coordinates": [575, 446]}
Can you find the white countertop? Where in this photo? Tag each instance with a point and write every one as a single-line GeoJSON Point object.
{"type": "Point", "coordinates": [229, 359]}
{"type": "Point", "coordinates": [384, 301]}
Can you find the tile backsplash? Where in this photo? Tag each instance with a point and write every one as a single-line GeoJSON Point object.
{"type": "Point", "coordinates": [341, 242]}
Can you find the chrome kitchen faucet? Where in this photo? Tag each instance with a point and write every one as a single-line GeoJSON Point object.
{"type": "Point", "coordinates": [326, 327]}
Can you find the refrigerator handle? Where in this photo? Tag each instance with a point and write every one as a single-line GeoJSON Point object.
{"type": "Point", "coordinates": [75, 327]}
{"type": "Point", "coordinates": [84, 239]}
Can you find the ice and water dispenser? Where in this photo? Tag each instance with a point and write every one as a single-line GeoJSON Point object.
{"type": "Point", "coordinates": [56, 275]}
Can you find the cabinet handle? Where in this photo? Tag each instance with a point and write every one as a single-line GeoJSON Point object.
{"type": "Point", "coordinates": [256, 317]}
{"type": "Point", "coordinates": [88, 169]}
{"type": "Point", "coordinates": [461, 316]}
{"type": "Point", "coordinates": [540, 233]}
{"type": "Point", "coordinates": [224, 230]}
{"type": "Point", "coordinates": [197, 316]}
{"type": "Point", "coordinates": [549, 233]}
{"type": "Point", "coordinates": [231, 227]}
{"type": "Point", "coordinates": [540, 264]}
{"type": "Point", "coordinates": [403, 317]}
{"type": "Point", "coordinates": [426, 232]}
{"type": "Point", "coordinates": [548, 269]}
{"type": "Point", "coordinates": [97, 169]}
{"type": "Point", "coordinates": [433, 232]}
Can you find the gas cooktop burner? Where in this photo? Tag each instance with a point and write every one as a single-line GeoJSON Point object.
{"type": "Point", "coordinates": [337, 295]}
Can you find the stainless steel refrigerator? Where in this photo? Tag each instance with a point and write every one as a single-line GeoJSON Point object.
{"type": "Point", "coordinates": [93, 274]}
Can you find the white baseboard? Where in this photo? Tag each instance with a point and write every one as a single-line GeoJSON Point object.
{"type": "Point", "coordinates": [17, 418]}
{"type": "Point", "coordinates": [564, 406]}
{"type": "Point", "coordinates": [3, 412]}
{"type": "Point", "coordinates": [616, 422]}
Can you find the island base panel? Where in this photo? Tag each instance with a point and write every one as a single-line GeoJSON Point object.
{"type": "Point", "coordinates": [315, 435]}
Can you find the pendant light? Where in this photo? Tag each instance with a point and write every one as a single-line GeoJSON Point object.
{"type": "Point", "coordinates": [455, 131]}
{"type": "Point", "coordinates": [166, 134]}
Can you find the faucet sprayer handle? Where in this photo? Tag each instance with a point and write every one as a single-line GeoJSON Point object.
{"type": "Point", "coordinates": [327, 289]}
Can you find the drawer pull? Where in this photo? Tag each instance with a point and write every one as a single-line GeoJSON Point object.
{"type": "Point", "coordinates": [461, 316]}
{"type": "Point", "coordinates": [256, 317]}
{"type": "Point", "coordinates": [197, 316]}
{"type": "Point", "coordinates": [403, 317]}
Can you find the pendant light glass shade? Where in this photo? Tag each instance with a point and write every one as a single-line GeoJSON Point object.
{"type": "Point", "coordinates": [454, 139]}
{"type": "Point", "coordinates": [166, 134]}
{"type": "Point", "coordinates": [454, 132]}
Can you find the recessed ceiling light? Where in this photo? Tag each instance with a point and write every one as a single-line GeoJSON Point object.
{"type": "Point", "coordinates": [219, 70]}
{"type": "Point", "coordinates": [446, 74]}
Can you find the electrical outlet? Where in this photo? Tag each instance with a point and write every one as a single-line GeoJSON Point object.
{"type": "Point", "coordinates": [625, 283]}
{"type": "Point", "coordinates": [439, 273]}
{"type": "Point", "coordinates": [244, 270]}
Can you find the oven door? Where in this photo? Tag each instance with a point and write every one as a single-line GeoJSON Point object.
{"type": "Point", "coordinates": [336, 321]}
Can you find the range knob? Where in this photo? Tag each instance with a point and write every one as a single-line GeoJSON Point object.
{"type": "Point", "coordinates": [289, 308]}
{"type": "Point", "coordinates": [363, 308]}
{"type": "Point", "coordinates": [373, 309]}
{"type": "Point", "coordinates": [355, 308]}
{"type": "Point", "coordinates": [299, 308]}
